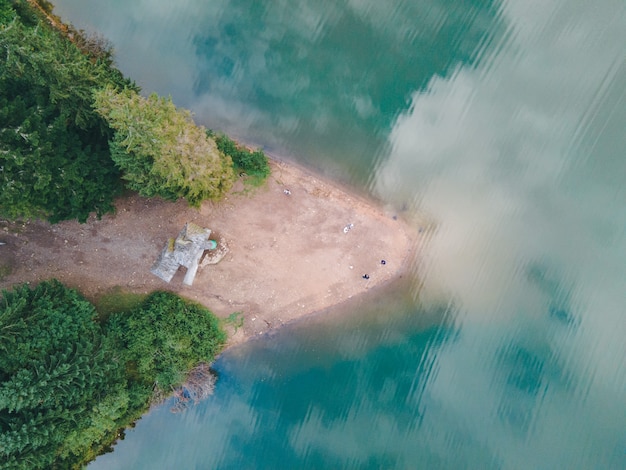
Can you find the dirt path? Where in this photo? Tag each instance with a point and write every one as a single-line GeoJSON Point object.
{"type": "Point", "coordinates": [289, 254]}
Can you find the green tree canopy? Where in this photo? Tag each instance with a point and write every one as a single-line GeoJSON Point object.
{"type": "Point", "coordinates": [55, 377]}
{"type": "Point", "coordinates": [164, 337]}
{"type": "Point", "coordinates": [67, 385]}
{"type": "Point", "coordinates": [252, 162]}
{"type": "Point", "coordinates": [160, 150]}
{"type": "Point", "coordinates": [54, 154]}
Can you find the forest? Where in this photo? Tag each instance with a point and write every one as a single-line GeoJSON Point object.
{"type": "Point", "coordinates": [75, 132]}
{"type": "Point", "coordinates": [71, 379]}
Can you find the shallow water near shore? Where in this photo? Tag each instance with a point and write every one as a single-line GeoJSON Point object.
{"type": "Point", "coordinates": [501, 124]}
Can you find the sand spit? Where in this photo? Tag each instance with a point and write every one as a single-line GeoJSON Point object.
{"type": "Point", "coordinates": [297, 245]}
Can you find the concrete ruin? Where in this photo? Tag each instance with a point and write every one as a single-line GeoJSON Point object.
{"type": "Point", "coordinates": [185, 250]}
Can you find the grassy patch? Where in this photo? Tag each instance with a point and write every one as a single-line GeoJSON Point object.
{"type": "Point", "coordinates": [252, 165]}
{"type": "Point", "coordinates": [235, 320]}
{"type": "Point", "coordinates": [115, 301]}
{"type": "Point", "coordinates": [255, 180]}
{"type": "Point", "coordinates": [5, 270]}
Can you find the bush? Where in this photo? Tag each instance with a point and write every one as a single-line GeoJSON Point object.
{"type": "Point", "coordinates": [164, 338]}
{"type": "Point", "coordinates": [253, 163]}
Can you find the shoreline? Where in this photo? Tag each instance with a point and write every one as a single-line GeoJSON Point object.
{"type": "Point", "coordinates": [118, 250]}
{"type": "Point", "coordinates": [288, 254]}
{"type": "Point", "coordinates": [367, 203]}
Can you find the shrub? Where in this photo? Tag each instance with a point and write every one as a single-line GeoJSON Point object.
{"type": "Point", "coordinates": [252, 162]}
{"type": "Point", "coordinates": [164, 338]}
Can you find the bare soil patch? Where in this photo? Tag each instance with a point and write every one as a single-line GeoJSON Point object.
{"type": "Point", "coordinates": [289, 253]}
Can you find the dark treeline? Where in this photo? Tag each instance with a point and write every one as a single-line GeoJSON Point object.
{"type": "Point", "coordinates": [54, 152]}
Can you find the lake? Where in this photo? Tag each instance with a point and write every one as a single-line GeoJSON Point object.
{"type": "Point", "coordinates": [500, 123]}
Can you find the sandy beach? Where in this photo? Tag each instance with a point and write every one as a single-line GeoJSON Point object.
{"type": "Point", "coordinates": [297, 245]}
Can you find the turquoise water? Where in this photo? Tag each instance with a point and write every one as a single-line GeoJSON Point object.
{"type": "Point", "coordinates": [502, 124]}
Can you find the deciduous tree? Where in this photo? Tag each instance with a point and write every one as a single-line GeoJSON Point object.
{"type": "Point", "coordinates": [165, 337]}
{"type": "Point", "coordinates": [160, 150]}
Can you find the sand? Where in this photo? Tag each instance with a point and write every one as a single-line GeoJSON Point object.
{"type": "Point", "coordinates": [289, 254]}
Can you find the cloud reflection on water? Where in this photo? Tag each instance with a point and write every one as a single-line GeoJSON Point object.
{"type": "Point", "coordinates": [518, 159]}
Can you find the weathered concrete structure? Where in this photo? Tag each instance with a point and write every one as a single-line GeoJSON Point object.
{"type": "Point", "coordinates": [185, 250]}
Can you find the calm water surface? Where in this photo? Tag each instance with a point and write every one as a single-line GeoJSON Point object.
{"type": "Point", "coordinates": [498, 125]}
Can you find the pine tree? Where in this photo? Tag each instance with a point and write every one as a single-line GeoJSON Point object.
{"type": "Point", "coordinates": [54, 155]}
{"type": "Point", "coordinates": [54, 371]}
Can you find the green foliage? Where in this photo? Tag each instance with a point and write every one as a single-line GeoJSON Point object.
{"type": "Point", "coordinates": [54, 154]}
{"type": "Point", "coordinates": [45, 5]}
{"type": "Point", "coordinates": [160, 150]}
{"type": "Point", "coordinates": [253, 163]}
{"type": "Point", "coordinates": [116, 301]}
{"type": "Point", "coordinates": [164, 338]}
{"type": "Point", "coordinates": [66, 388]}
{"type": "Point", "coordinates": [6, 12]}
{"type": "Point", "coordinates": [235, 320]}
{"type": "Point", "coordinates": [64, 146]}
{"type": "Point", "coordinates": [5, 270]}
{"type": "Point", "coordinates": [54, 369]}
